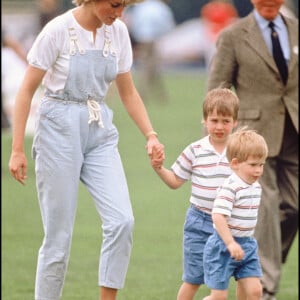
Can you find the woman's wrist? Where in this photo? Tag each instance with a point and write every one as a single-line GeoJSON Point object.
{"type": "Point", "coordinates": [151, 133]}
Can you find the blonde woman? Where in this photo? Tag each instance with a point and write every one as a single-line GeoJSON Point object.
{"type": "Point", "coordinates": [76, 56]}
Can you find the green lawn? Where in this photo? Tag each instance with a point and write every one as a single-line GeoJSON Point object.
{"type": "Point", "coordinates": [155, 268]}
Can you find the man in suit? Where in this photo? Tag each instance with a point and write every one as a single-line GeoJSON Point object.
{"type": "Point", "coordinates": [268, 104]}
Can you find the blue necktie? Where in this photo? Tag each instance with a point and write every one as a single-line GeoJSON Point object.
{"type": "Point", "coordinates": [278, 55]}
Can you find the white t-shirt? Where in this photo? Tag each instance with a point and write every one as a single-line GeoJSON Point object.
{"type": "Point", "coordinates": [50, 51]}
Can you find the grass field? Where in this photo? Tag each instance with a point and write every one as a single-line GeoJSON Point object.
{"type": "Point", "coordinates": [155, 268]}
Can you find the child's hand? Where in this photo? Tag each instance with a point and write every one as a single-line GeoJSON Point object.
{"type": "Point", "coordinates": [158, 156]}
{"type": "Point", "coordinates": [235, 250]}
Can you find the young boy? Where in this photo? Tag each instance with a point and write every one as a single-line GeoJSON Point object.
{"type": "Point", "coordinates": [203, 162]}
{"type": "Point", "coordinates": [231, 250]}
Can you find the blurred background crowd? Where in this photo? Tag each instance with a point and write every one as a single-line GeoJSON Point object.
{"type": "Point", "coordinates": [164, 33]}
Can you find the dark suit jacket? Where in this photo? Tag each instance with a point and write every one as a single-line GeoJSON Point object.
{"type": "Point", "coordinates": [243, 61]}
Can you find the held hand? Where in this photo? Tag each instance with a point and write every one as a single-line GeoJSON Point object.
{"type": "Point", "coordinates": [235, 250]}
{"type": "Point", "coordinates": [154, 142]}
{"type": "Point", "coordinates": [155, 152]}
{"type": "Point", "coordinates": [18, 166]}
{"type": "Point", "coordinates": [158, 156]}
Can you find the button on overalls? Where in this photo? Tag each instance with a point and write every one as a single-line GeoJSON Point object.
{"type": "Point", "coordinates": [76, 141]}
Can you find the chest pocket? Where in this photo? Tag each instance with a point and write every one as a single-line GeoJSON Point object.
{"type": "Point", "coordinates": [249, 117]}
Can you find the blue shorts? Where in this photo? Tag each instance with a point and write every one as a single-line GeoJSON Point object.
{"type": "Point", "coordinates": [219, 266]}
{"type": "Point", "coordinates": [197, 229]}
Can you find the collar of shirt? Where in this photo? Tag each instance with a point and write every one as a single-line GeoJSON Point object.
{"type": "Point", "coordinates": [205, 143]}
{"type": "Point", "coordinates": [242, 183]}
{"type": "Point", "coordinates": [281, 29]}
{"type": "Point", "coordinates": [263, 23]}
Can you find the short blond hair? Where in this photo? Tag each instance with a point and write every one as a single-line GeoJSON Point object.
{"type": "Point", "coordinates": [223, 100]}
{"type": "Point", "coordinates": [124, 2]}
{"type": "Point", "coordinates": [244, 143]}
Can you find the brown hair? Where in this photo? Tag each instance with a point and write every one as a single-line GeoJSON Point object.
{"type": "Point", "coordinates": [244, 143]}
{"type": "Point", "coordinates": [223, 100]}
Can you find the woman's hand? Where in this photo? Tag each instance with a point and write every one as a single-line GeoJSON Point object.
{"type": "Point", "coordinates": [18, 166]}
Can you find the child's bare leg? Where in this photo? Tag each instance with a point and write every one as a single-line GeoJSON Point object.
{"type": "Point", "coordinates": [251, 287]}
{"type": "Point", "coordinates": [217, 295]}
{"type": "Point", "coordinates": [187, 291]}
{"type": "Point", "coordinates": [240, 292]}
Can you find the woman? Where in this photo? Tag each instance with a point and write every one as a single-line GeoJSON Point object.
{"type": "Point", "coordinates": [77, 55]}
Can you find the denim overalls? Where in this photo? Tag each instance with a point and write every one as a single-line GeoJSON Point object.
{"type": "Point", "coordinates": [76, 141]}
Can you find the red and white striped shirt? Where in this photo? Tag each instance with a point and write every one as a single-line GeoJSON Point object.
{"type": "Point", "coordinates": [207, 170]}
{"type": "Point", "coordinates": [240, 202]}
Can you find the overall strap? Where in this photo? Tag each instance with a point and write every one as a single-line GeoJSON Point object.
{"type": "Point", "coordinates": [74, 42]}
{"type": "Point", "coordinates": [108, 47]}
